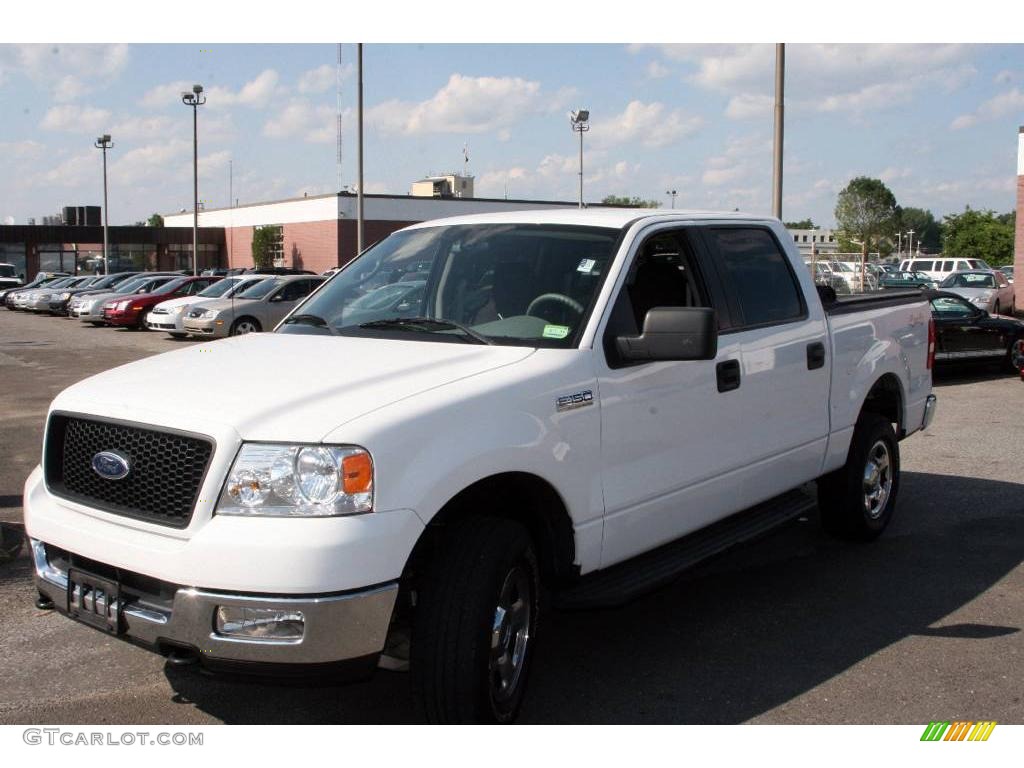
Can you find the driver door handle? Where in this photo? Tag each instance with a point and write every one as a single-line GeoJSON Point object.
{"type": "Point", "coordinates": [728, 374]}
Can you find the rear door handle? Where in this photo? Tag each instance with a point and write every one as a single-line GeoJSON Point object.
{"type": "Point", "coordinates": [815, 355]}
{"type": "Point", "coordinates": [728, 373]}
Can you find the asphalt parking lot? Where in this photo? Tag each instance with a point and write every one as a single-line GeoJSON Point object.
{"type": "Point", "coordinates": [923, 624]}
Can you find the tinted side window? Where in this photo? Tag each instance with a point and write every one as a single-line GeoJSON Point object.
{"type": "Point", "coordinates": [295, 290]}
{"type": "Point", "coordinates": [947, 266]}
{"type": "Point", "coordinates": [759, 274]}
{"type": "Point", "coordinates": [924, 266]}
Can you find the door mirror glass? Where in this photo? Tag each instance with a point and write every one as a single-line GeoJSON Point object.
{"type": "Point", "coordinates": [673, 333]}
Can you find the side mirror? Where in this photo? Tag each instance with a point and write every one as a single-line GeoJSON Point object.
{"type": "Point", "coordinates": [673, 333]}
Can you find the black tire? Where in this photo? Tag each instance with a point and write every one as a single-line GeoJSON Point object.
{"type": "Point", "coordinates": [454, 673]}
{"type": "Point", "coordinates": [241, 323]}
{"type": "Point", "coordinates": [178, 336]}
{"type": "Point", "coordinates": [847, 510]}
{"type": "Point", "coordinates": [995, 309]}
{"type": "Point", "coordinates": [1016, 351]}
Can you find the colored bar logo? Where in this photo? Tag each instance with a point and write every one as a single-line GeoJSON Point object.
{"type": "Point", "coordinates": [959, 730]}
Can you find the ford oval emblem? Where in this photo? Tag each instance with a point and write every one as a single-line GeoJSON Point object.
{"type": "Point", "coordinates": [110, 465]}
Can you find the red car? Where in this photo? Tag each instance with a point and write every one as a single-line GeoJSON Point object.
{"type": "Point", "coordinates": [131, 311]}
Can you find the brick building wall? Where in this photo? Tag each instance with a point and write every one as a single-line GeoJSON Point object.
{"type": "Point", "coordinates": [311, 245]}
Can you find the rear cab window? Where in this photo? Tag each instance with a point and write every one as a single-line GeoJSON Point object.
{"type": "Point", "coordinates": [757, 275]}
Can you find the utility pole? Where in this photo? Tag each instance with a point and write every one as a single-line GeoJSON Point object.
{"type": "Point", "coordinates": [359, 191]}
{"type": "Point", "coordinates": [104, 143]}
{"type": "Point", "coordinates": [780, 84]}
{"type": "Point", "coordinates": [672, 194]}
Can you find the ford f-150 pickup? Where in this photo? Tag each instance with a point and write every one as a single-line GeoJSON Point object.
{"type": "Point", "coordinates": [570, 409]}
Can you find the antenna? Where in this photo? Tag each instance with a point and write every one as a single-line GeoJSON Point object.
{"type": "Point", "coordinates": [338, 84]}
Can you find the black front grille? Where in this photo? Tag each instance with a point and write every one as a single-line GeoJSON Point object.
{"type": "Point", "coordinates": [162, 485]}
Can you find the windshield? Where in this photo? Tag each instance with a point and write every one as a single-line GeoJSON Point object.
{"type": "Point", "coordinates": [61, 282]}
{"type": "Point", "coordinates": [171, 286]}
{"type": "Point", "coordinates": [7, 270]}
{"type": "Point", "coordinates": [260, 289]}
{"type": "Point", "coordinates": [217, 289]}
{"type": "Point", "coordinates": [131, 284]}
{"type": "Point", "coordinates": [969, 280]}
{"type": "Point", "coordinates": [521, 284]}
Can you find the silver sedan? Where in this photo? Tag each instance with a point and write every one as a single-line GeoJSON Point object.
{"type": "Point", "coordinates": [986, 289]}
{"type": "Point", "coordinates": [258, 308]}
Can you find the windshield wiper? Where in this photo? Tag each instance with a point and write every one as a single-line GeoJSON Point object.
{"type": "Point", "coordinates": [309, 319]}
{"type": "Point", "coordinates": [428, 325]}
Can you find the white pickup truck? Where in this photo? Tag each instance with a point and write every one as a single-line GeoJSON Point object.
{"type": "Point", "coordinates": [474, 413]}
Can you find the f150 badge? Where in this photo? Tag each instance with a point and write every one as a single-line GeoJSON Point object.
{"type": "Point", "coordinates": [576, 400]}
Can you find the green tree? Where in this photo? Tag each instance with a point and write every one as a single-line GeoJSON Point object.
{"type": "Point", "coordinates": [263, 241]}
{"type": "Point", "coordinates": [866, 211]}
{"type": "Point", "coordinates": [156, 220]}
{"type": "Point", "coordinates": [802, 224]}
{"type": "Point", "coordinates": [979, 235]}
{"type": "Point", "coordinates": [630, 202]}
{"type": "Point", "coordinates": [927, 230]}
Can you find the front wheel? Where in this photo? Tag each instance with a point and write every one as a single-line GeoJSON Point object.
{"type": "Point", "coordinates": [476, 623]}
{"type": "Point", "coordinates": [245, 325]}
{"type": "Point", "coordinates": [858, 499]}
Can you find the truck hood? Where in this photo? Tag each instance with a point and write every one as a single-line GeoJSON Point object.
{"type": "Point", "coordinates": [280, 387]}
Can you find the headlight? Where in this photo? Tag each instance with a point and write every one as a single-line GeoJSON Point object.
{"type": "Point", "coordinates": [178, 310]}
{"type": "Point", "coordinates": [122, 304]}
{"type": "Point", "coordinates": [65, 296]}
{"type": "Point", "coordinates": [298, 481]}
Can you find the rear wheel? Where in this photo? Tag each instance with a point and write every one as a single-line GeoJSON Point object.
{"type": "Point", "coordinates": [858, 499]}
{"type": "Point", "coordinates": [1015, 356]}
{"type": "Point", "coordinates": [245, 325]}
{"type": "Point", "coordinates": [179, 335]}
{"type": "Point", "coordinates": [476, 623]}
{"type": "Point", "coordinates": [995, 309]}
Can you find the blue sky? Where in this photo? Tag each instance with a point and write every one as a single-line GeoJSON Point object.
{"type": "Point", "coordinates": [938, 123]}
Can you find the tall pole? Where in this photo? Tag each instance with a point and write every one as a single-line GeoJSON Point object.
{"type": "Point", "coordinates": [581, 169]}
{"type": "Point", "coordinates": [195, 190]}
{"type": "Point", "coordinates": [104, 143]}
{"type": "Point", "coordinates": [231, 204]}
{"type": "Point", "coordinates": [780, 82]}
{"type": "Point", "coordinates": [359, 190]}
{"type": "Point", "coordinates": [910, 243]}
{"type": "Point", "coordinates": [195, 99]}
{"type": "Point", "coordinates": [578, 120]}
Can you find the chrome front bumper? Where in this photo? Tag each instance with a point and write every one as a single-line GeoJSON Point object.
{"type": "Point", "coordinates": [337, 628]}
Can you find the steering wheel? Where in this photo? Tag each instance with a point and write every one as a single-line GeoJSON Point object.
{"type": "Point", "coordinates": [555, 298]}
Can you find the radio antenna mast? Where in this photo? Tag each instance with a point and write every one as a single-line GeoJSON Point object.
{"type": "Point", "coordinates": [338, 86]}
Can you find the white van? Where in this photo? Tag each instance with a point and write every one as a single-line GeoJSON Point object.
{"type": "Point", "coordinates": [941, 268]}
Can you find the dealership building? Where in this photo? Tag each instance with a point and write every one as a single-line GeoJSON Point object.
{"type": "Point", "coordinates": [319, 232]}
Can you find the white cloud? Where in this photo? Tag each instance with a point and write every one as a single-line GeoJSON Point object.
{"type": "Point", "coordinates": [656, 70]}
{"type": "Point", "coordinates": [255, 93]}
{"type": "Point", "coordinates": [68, 71]}
{"type": "Point", "coordinates": [75, 118]}
{"type": "Point", "coordinates": [21, 150]}
{"type": "Point", "coordinates": [322, 78]}
{"type": "Point", "coordinates": [824, 77]}
{"type": "Point", "coordinates": [746, 105]}
{"type": "Point", "coordinates": [1002, 104]}
{"type": "Point", "coordinates": [302, 119]}
{"type": "Point", "coordinates": [651, 125]}
{"type": "Point", "coordinates": [463, 105]}
{"type": "Point", "coordinates": [891, 174]}
{"type": "Point", "coordinates": [140, 127]}
{"type": "Point", "coordinates": [70, 173]}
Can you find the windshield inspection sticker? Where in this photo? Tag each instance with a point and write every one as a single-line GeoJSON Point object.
{"type": "Point", "coordinates": [555, 331]}
{"type": "Point", "coordinates": [586, 266]}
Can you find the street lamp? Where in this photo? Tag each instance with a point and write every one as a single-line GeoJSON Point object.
{"type": "Point", "coordinates": [910, 244]}
{"type": "Point", "coordinates": [671, 193]}
{"type": "Point", "coordinates": [195, 99]}
{"type": "Point", "coordinates": [579, 121]}
{"type": "Point", "coordinates": [104, 143]}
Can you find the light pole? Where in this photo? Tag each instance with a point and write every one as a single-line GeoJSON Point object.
{"type": "Point", "coordinates": [910, 243]}
{"type": "Point", "coordinates": [671, 193]}
{"type": "Point", "coordinates": [104, 143]}
{"type": "Point", "coordinates": [195, 99]}
{"type": "Point", "coordinates": [360, 213]}
{"type": "Point", "coordinates": [580, 124]}
{"type": "Point", "coordinates": [899, 245]}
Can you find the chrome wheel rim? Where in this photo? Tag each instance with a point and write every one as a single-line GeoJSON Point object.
{"type": "Point", "coordinates": [877, 479]}
{"type": "Point", "coordinates": [245, 327]}
{"type": "Point", "coordinates": [510, 634]}
{"type": "Point", "coordinates": [1017, 354]}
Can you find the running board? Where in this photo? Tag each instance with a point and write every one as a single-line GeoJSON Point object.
{"type": "Point", "coordinates": [624, 581]}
